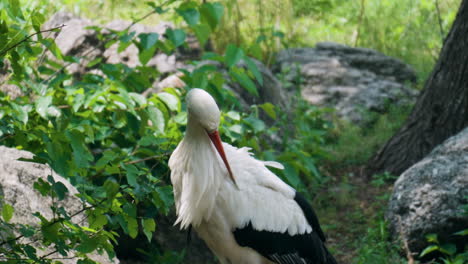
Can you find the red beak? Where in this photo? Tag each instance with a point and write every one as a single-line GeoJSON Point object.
{"type": "Point", "coordinates": [214, 136]}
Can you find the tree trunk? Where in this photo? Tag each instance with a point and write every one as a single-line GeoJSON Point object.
{"type": "Point", "coordinates": [441, 110]}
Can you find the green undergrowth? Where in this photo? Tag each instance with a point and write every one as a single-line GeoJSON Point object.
{"type": "Point", "coordinates": [352, 214]}
{"type": "Point", "coordinates": [411, 30]}
{"type": "Point", "coordinates": [353, 145]}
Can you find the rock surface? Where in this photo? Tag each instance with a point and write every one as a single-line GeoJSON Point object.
{"type": "Point", "coordinates": [16, 187]}
{"type": "Point", "coordinates": [351, 80]}
{"type": "Point", "coordinates": [428, 197]}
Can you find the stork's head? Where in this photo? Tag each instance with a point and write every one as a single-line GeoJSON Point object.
{"type": "Point", "coordinates": [202, 109]}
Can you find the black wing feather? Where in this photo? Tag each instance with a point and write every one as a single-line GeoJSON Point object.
{"type": "Point", "coordinates": [283, 248]}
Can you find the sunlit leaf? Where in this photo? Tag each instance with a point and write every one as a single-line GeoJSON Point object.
{"type": "Point", "coordinates": [176, 36]}
{"type": "Point", "coordinates": [232, 55]}
{"type": "Point", "coordinates": [7, 212]}
{"type": "Point", "coordinates": [170, 101]}
{"type": "Point", "coordinates": [149, 226]}
{"type": "Point", "coordinates": [212, 13]}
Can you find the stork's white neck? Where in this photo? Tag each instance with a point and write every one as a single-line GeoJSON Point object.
{"type": "Point", "coordinates": [194, 130]}
{"type": "Point", "coordinates": [197, 173]}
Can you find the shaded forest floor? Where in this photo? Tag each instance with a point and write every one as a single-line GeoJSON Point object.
{"type": "Point", "coordinates": [351, 212]}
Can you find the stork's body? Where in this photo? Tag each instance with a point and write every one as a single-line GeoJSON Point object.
{"type": "Point", "coordinates": [244, 212]}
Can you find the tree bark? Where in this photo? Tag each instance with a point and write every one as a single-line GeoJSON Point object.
{"type": "Point", "coordinates": [441, 110]}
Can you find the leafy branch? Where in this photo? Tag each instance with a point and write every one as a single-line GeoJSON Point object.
{"type": "Point", "coordinates": [90, 51]}
{"type": "Point", "coordinates": [4, 52]}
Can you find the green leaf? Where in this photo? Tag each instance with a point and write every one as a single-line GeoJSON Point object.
{"type": "Point", "coordinates": [291, 175]}
{"type": "Point", "coordinates": [232, 55]}
{"type": "Point", "coordinates": [202, 32]}
{"type": "Point", "coordinates": [7, 212]}
{"type": "Point", "coordinates": [147, 46]}
{"type": "Point", "coordinates": [81, 154]}
{"type": "Point", "coordinates": [27, 231]}
{"type": "Point", "coordinates": [177, 36]}
{"type": "Point", "coordinates": [97, 220]}
{"type": "Point", "coordinates": [428, 250]}
{"type": "Point", "coordinates": [138, 98]}
{"type": "Point", "coordinates": [50, 231]}
{"type": "Point", "coordinates": [448, 248]}
{"type": "Point", "coordinates": [163, 198]}
{"type": "Point", "coordinates": [269, 109]}
{"type": "Point", "coordinates": [42, 104]}
{"type": "Point", "coordinates": [212, 13]}
{"type": "Point", "coordinates": [157, 118]}
{"type": "Point", "coordinates": [132, 226]}
{"type": "Point", "coordinates": [87, 245]}
{"type": "Point", "coordinates": [131, 173]}
{"type": "Point", "coordinates": [254, 70]}
{"type": "Point", "coordinates": [42, 186]}
{"type": "Point", "coordinates": [190, 14]}
{"type": "Point", "coordinates": [37, 19]}
{"type": "Point", "coordinates": [244, 80]}
{"type": "Point", "coordinates": [111, 187]}
{"type": "Point", "coordinates": [107, 157]}
{"type": "Point", "coordinates": [60, 190]}
{"type": "Point", "coordinates": [149, 226]}
{"type": "Point", "coordinates": [462, 233]}
{"type": "Point", "coordinates": [432, 238]}
{"type": "Point", "coordinates": [170, 100]}
{"type": "Point", "coordinates": [21, 112]}
{"type": "Point", "coordinates": [30, 252]}
{"type": "Point", "coordinates": [148, 40]}
{"type": "Point", "coordinates": [257, 124]}
{"type": "Point", "coordinates": [130, 209]}
{"type": "Point", "coordinates": [233, 115]}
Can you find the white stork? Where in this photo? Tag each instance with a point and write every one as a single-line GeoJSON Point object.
{"type": "Point", "coordinates": [244, 212]}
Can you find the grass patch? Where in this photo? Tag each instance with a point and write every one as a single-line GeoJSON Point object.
{"type": "Point", "coordinates": [353, 145]}
{"type": "Point", "coordinates": [354, 221]}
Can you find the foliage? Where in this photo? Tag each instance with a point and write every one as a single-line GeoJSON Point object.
{"type": "Point", "coordinates": [376, 248]}
{"type": "Point", "coordinates": [410, 30]}
{"type": "Point", "coordinates": [449, 251]}
{"type": "Point", "coordinates": [111, 142]}
{"type": "Point", "coordinates": [354, 145]}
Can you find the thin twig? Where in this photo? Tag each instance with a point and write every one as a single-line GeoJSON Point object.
{"type": "Point", "coordinates": [5, 137]}
{"type": "Point", "coordinates": [442, 34]}
{"type": "Point", "coordinates": [409, 255]}
{"type": "Point", "coordinates": [51, 223]}
{"type": "Point", "coordinates": [147, 158]}
{"type": "Point", "coordinates": [3, 52]}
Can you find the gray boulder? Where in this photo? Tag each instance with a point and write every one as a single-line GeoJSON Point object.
{"type": "Point", "coordinates": [74, 39]}
{"type": "Point", "coordinates": [351, 80]}
{"type": "Point", "coordinates": [16, 189]}
{"type": "Point", "coordinates": [428, 197]}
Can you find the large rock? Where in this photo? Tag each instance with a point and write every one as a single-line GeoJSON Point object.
{"type": "Point", "coordinates": [75, 39]}
{"type": "Point", "coordinates": [351, 80]}
{"type": "Point", "coordinates": [16, 188]}
{"type": "Point", "coordinates": [428, 197]}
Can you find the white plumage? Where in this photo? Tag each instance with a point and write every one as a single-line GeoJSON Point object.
{"type": "Point", "coordinates": [216, 202]}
